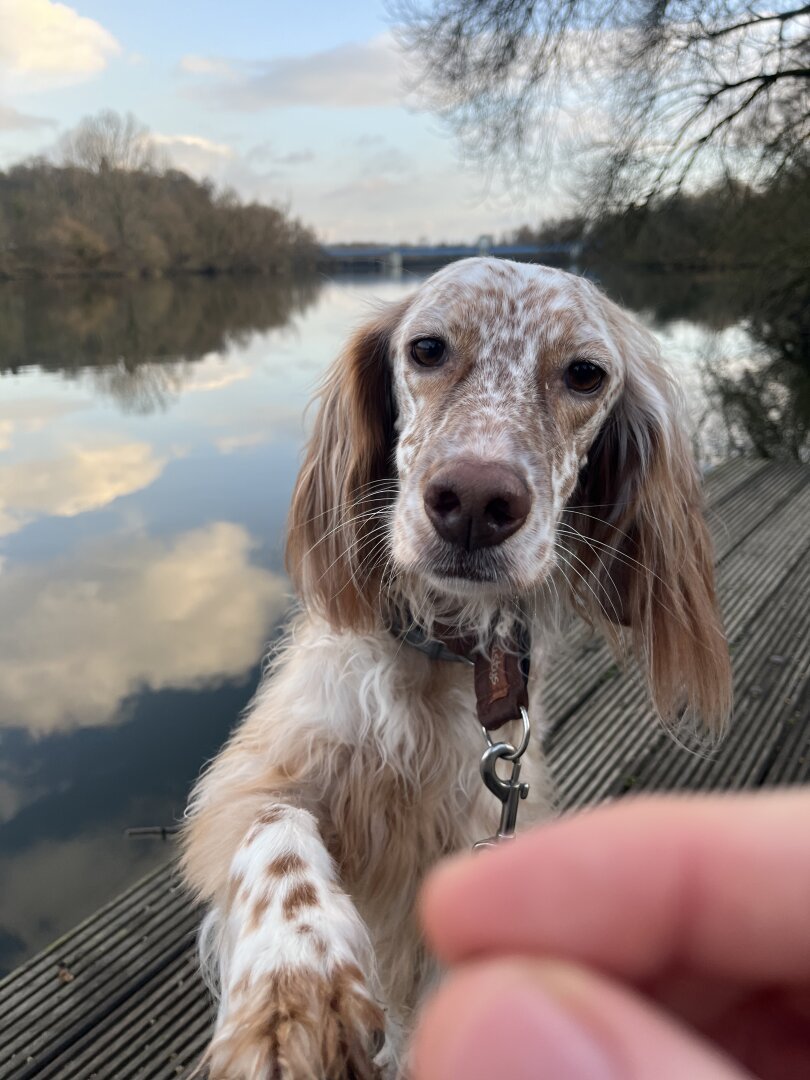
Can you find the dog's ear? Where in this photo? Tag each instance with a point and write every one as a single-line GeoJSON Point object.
{"type": "Point", "coordinates": [645, 547]}
{"type": "Point", "coordinates": [336, 544]}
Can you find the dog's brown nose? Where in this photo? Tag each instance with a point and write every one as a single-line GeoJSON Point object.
{"type": "Point", "coordinates": [475, 504]}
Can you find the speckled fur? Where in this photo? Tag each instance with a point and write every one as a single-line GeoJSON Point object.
{"type": "Point", "coordinates": [356, 766]}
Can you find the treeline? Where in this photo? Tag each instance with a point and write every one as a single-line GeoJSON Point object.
{"type": "Point", "coordinates": [68, 220]}
{"type": "Point", "coordinates": [727, 226]}
{"type": "Point", "coordinates": [110, 208]}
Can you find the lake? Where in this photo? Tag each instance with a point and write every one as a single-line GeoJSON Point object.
{"type": "Point", "coordinates": [149, 438]}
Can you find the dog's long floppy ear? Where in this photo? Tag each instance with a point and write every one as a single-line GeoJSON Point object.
{"type": "Point", "coordinates": [335, 544]}
{"type": "Point", "coordinates": [638, 507]}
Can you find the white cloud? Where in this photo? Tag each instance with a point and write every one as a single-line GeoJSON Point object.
{"type": "Point", "coordinates": [26, 416]}
{"type": "Point", "coordinates": [77, 480]}
{"type": "Point", "coordinates": [215, 371]}
{"type": "Point", "coordinates": [359, 75]}
{"type": "Point", "coordinates": [51, 43]}
{"type": "Point", "coordinates": [14, 120]}
{"type": "Point", "coordinates": [206, 65]}
{"type": "Point", "coordinates": [79, 637]}
{"type": "Point", "coordinates": [227, 444]}
{"type": "Point", "coordinates": [195, 142]}
{"type": "Point", "coordinates": [194, 153]}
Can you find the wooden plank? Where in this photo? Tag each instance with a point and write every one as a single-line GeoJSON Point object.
{"type": "Point", "coordinates": [165, 1022]}
{"type": "Point", "coordinates": [125, 911]}
{"type": "Point", "coordinates": [582, 663]}
{"type": "Point", "coordinates": [589, 747]}
{"type": "Point", "coordinates": [761, 718]}
{"type": "Point", "coordinates": [64, 1014]}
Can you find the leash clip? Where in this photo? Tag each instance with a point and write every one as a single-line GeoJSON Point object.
{"type": "Point", "coordinates": [509, 791]}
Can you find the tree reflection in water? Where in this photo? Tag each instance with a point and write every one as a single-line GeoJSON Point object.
{"type": "Point", "coordinates": [762, 397]}
{"type": "Point", "coordinates": [765, 400]}
{"type": "Point", "coordinates": [138, 341]}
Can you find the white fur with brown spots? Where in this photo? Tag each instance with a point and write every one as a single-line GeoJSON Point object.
{"type": "Point", "coordinates": [356, 767]}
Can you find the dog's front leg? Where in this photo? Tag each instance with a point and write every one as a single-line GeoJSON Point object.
{"type": "Point", "coordinates": [294, 962]}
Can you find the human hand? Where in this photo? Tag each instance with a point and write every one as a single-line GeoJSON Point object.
{"type": "Point", "coordinates": [654, 939]}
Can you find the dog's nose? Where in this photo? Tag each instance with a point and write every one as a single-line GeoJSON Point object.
{"type": "Point", "coordinates": [475, 504]}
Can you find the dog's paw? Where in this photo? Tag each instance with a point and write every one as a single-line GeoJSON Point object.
{"type": "Point", "coordinates": [298, 1024]}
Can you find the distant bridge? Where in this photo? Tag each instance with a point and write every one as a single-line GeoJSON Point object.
{"type": "Point", "coordinates": [396, 256]}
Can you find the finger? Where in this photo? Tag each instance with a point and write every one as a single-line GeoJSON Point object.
{"type": "Point", "coordinates": [530, 1020]}
{"type": "Point", "coordinates": [718, 886]}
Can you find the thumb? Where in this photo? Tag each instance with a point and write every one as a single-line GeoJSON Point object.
{"type": "Point", "coordinates": [543, 1020]}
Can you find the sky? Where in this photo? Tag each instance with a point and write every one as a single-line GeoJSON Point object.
{"type": "Point", "coordinates": [310, 106]}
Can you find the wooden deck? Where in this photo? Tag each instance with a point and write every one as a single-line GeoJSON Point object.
{"type": "Point", "coordinates": [119, 996]}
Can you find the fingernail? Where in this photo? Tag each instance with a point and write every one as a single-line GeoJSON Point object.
{"type": "Point", "coordinates": [519, 1032]}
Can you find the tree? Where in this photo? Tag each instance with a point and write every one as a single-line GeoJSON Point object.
{"type": "Point", "coordinates": [666, 90]}
{"type": "Point", "coordinates": [108, 142]}
{"type": "Point", "coordinates": [108, 210]}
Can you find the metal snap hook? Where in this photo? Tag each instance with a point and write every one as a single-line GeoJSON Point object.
{"type": "Point", "coordinates": [515, 753]}
{"type": "Point", "coordinates": [508, 791]}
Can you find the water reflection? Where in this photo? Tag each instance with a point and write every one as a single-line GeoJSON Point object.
{"type": "Point", "coordinates": [149, 438]}
{"type": "Point", "coordinates": [751, 378]}
{"type": "Point", "coordinates": [73, 481]}
{"type": "Point", "coordinates": [138, 342]}
{"type": "Point", "coordinates": [763, 404]}
{"type": "Point", "coordinates": [81, 635]}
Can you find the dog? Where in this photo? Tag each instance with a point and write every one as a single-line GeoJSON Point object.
{"type": "Point", "coordinates": [499, 448]}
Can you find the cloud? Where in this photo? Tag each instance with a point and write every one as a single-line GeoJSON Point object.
{"type": "Point", "coordinates": [215, 371]}
{"type": "Point", "coordinates": [227, 444]}
{"type": "Point", "coordinates": [26, 416]}
{"type": "Point", "coordinates": [78, 480]}
{"type": "Point", "coordinates": [359, 75]}
{"type": "Point", "coordinates": [260, 423]}
{"type": "Point", "coordinates": [206, 65]}
{"type": "Point", "coordinates": [266, 153]}
{"type": "Point", "coordinates": [358, 189]}
{"type": "Point", "coordinates": [196, 142]}
{"type": "Point", "coordinates": [77, 638]}
{"type": "Point", "coordinates": [384, 171]}
{"type": "Point", "coordinates": [194, 153]}
{"type": "Point", "coordinates": [50, 42]}
{"type": "Point", "coordinates": [14, 120]}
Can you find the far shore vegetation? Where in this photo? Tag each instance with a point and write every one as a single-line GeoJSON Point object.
{"type": "Point", "coordinates": [106, 205]}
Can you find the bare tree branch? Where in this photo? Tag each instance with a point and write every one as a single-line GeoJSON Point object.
{"type": "Point", "coordinates": [654, 86]}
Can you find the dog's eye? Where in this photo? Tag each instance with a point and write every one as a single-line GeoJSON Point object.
{"type": "Point", "coordinates": [428, 351]}
{"type": "Point", "coordinates": [584, 377]}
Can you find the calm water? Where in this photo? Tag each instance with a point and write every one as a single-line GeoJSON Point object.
{"type": "Point", "coordinates": [149, 437]}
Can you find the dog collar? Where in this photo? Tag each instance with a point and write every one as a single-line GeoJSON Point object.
{"type": "Point", "coordinates": [500, 672]}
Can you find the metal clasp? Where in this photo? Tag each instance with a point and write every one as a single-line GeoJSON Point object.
{"type": "Point", "coordinates": [509, 791]}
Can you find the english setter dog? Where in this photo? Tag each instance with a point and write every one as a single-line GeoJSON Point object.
{"type": "Point", "coordinates": [500, 445]}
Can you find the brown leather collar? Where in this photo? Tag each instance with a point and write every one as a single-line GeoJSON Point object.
{"type": "Point", "coordinates": [500, 674]}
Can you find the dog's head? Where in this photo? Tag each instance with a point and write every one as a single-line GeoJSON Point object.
{"type": "Point", "coordinates": [507, 427]}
